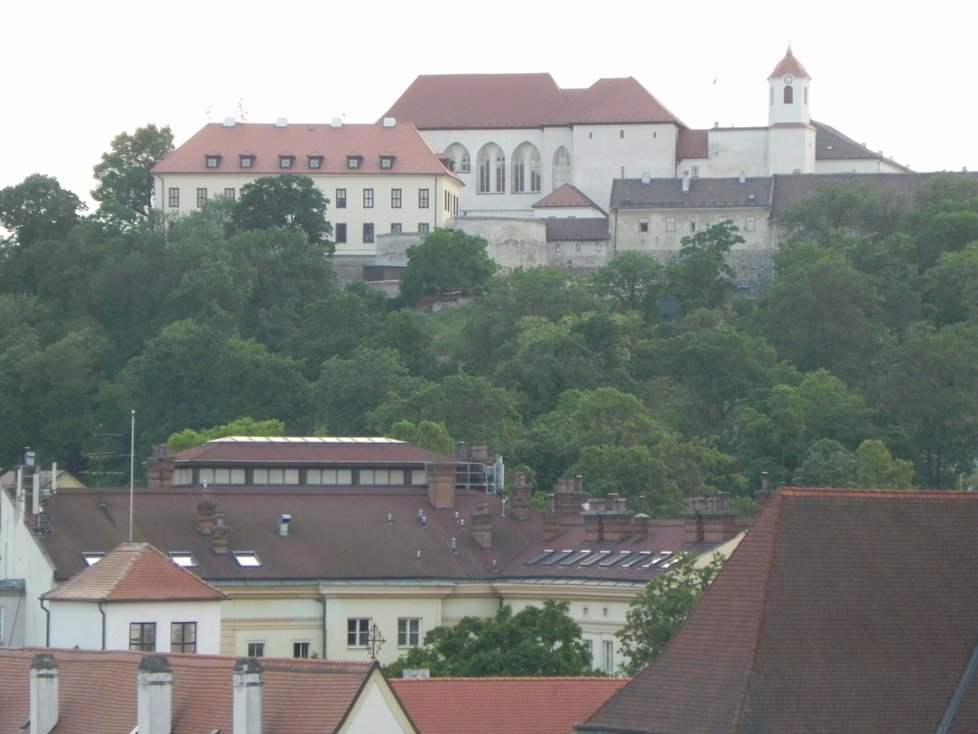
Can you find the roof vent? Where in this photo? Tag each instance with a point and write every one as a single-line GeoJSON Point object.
{"type": "Point", "coordinates": [229, 122]}
{"type": "Point", "coordinates": [453, 545]}
{"type": "Point", "coordinates": [646, 178]}
{"type": "Point", "coordinates": [281, 122]}
{"type": "Point", "coordinates": [390, 122]}
{"type": "Point", "coordinates": [283, 524]}
{"type": "Point", "coordinates": [336, 122]}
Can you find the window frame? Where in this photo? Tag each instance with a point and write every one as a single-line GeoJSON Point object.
{"type": "Point", "coordinates": [341, 198]}
{"type": "Point", "coordinates": [368, 233]}
{"type": "Point", "coordinates": [142, 636]}
{"type": "Point", "coordinates": [408, 632]}
{"type": "Point", "coordinates": [358, 632]}
{"type": "Point", "coordinates": [314, 162]}
{"type": "Point", "coordinates": [201, 197]}
{"type": "Point", "coordinates": [395, 198]}
{"type": "Point", "coordinates": [301, 649]}
{"type": "Point", "coordinates": [286, 162]}
{"type": "Point", "coordinates": [424, 198]}
{"type": "Point", "coordinates": [368, 198]}
{"type": "Point", "coordinates": [340, 233]}
{"type": "Point", "coordinates": [256, 650]}
{"type": "Point", "coordinates": [246, 161]}
{"type": "Point", "coordinates": [178, 637]}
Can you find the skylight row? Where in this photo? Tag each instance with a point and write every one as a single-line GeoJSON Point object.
{"type": "Point", "coordinates": [287, 161]}
{"type": "Point", "coordinates": [602, 558]}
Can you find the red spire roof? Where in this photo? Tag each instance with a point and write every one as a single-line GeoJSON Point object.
{"type": "Point", "coordinates": [789, 65]}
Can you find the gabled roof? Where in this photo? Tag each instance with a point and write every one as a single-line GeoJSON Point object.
{"type": "Point", "coordinates": [493, 705]}
{"type": "Point", "coordinates": [566, 196]}
{"type": "Point", "coordinates": [830, 144]}
{"type": "Point", "coordinates": [312, 450]}
{"type": "Point", "coordinates": [841, 610]}
{"type": "Point", "coordinates": [789, 65]}
{"type": "Point", "coordinates": [134, 572]}
{"type": "Point", "coordinates": [495, 101]}
{"type": "Point", "coordinates": [97, 692]}
{"type": "Point", "coordinates": [267, 142]}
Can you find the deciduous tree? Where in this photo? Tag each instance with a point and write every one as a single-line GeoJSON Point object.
{"type": "Point", "coordinates": [125, 184]}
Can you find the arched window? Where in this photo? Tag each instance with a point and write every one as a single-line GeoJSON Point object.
{"type": "Point", "coordinates": [492, 170]}
{"type": "Point", "coordinates": [561, 168]}
{"type": "Point", "coordinates": [526, 160]}
{"type": "Point", "coordinates": [459, 156]}
{"type": "Point", "coordinates": [789, 95]}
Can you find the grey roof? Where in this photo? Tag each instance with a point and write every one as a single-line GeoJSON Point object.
{"type": "Point", "coordinates": [667, 193]}
{"type": "Point", "coordinates": [830, 144]}
{"type": "Point", "coordinates": [590, 229]}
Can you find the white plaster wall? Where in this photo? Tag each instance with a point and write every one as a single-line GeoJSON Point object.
{"type": "Point", "coordinates": [22, 557]}
{"type": "Point", "coordinates": [79, 624]}
{"type": "Point", "coordinates": [858, 165]}
{"type": "Point", "coordinates": [207, 615]}
{"type": "Point", "coordinates": [791, 149]}
{"type": "Point", "coordinates": [732, 153]}
{"type": "Point", "coordinates": [377, 711]}
{"type": "Point", "coordinates": [626, 230]}
{"type": "Point", "coordinates": [275, 617]}
{"type": "Point", "coordinates": [513, 243]}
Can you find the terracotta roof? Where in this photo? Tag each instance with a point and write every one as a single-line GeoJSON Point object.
{"type": "Point", "coordinates": [492, 705]}
{"type": "Point", "coordinates": [267, 142]}
{"type": "Point", "coordinates": [566, 196]}
{"type": "Point", "coordinates": [693, 144]}
{"type": "Point", "coordinates": [345, 534]}
{"type": "Point", "coordinates": [789, 65]}
{"type": "Point", "coordinates": [271, 451]}
{"type": "Point", "coordinates": [134, 572]}
{"type": "Point", "coordinates": [841, 610]}
{"type": "Point", "coordinates": [97, 692]}
{"type": "Point", "coordinates": [493, 101]}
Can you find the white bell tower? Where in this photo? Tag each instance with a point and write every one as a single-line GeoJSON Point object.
{"type": "Point", "coordinates": [791, 137]}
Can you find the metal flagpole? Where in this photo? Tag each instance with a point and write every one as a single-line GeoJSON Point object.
{"type": "Point", "coordinates": [132, 465]}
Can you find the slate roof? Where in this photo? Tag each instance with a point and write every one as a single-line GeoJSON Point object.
{"type": "Point", "coordinates": [841, 610]}
{"type": "Point", "coordinates": [134, 572]}
{"type": "Point", "coordinates": [266, 142]}
{"type": "Point", "coordinates": [667, 193]}
{"type": "Point", "coordinates": [494, 101]}
{"type": "Point", "coordinates": [345, 535]}
{"type": "Point", "coordinates": [298, 452]}
{"type": "Point", "coordinates": [493, 705]}
{"type": "Point", "coordinates": [97, 692]}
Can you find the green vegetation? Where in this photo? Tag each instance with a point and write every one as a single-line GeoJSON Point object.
{"type": "Point", "coordinates": [655, 380]}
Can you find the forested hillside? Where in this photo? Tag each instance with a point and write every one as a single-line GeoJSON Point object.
{"type": "Point", "coordinates": [857, 367]}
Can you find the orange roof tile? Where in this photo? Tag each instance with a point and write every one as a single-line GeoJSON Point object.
{"type": "Point", "coordinates": [491, 705]}
{"type": "Point", "coordinates": [789, 65]}
{"type": "Point", "coordinates": [135, 572]}
{"type": "Point", "coordinates": [566, 195]}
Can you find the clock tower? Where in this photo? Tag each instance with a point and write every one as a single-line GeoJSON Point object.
{"type": "Point", "coordinates": [791, 137]}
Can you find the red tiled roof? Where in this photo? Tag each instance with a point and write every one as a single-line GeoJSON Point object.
{"type": "Point", "coordinates": [841, 610]}
{"type": "Point", "coordinates": [266, 142]}
{"type": "Point", "coordinates": [493, 101]}
{"type": "Point", "coordinates": [492, 705]}
{"type": "Point", "coordinates": [97, 692]}
{"type": "Point", "coordinates": [789, 65]}
{"type": "Point", "coordinates": [134, 572]}
{"type": "Point", "coordinates": [693, 144]}
{"type": "Point", "coordinates": [566, 195]}
{"type": "Point", "coordinates": [230, 451]}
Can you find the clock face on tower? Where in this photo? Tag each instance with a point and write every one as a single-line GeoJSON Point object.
{"type": "Point", "coordinates": [788, 79]}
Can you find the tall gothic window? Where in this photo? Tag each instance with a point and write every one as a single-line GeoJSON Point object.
{"type": "Point", "coordinates": [492, 170]}
{"type": "Point", "coordinates": [526, 159]}
{"type": "Point", "coordinates": [562, 168]}
{"type": "Point", "coordinates": [459, 156]}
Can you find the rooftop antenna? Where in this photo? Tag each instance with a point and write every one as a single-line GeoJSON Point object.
{"type": "Point", "coordinates": [132, 464]}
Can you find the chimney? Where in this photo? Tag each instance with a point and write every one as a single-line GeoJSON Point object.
{"type": "Point", "coordinates": [481, 524]}
{"type": "Point", "coordinates": [551, 525]}
{"type": "Point", "coordinates": [159, 468]}
{"type": "Point", "coordinates": [220, 537]}
{"type": "Point", "coordinates": [569, 496]}
{"type": "Point", "coordinates": [641, 525]}
{"type": "Point", "coordinates": [247, 696]}
{"type": "Point", "coordinates": [710, 519]}
{"type": "Point", "coordinates": [44, 693]}
{"type": "Point", "coordinates": [685, 182]}
{"type": "Point", "coordinates": [154, 695]}
{"type": "Point", "coordinates": [617, 522]}
{"type": "Point", "coordinates": [593, 530]}
{"type": "Point", "coordinates": [762, 495]}
{"type": "Point", "coordinates": [520, 501]}
{"type": "Point", "coordinates": [206, 515]}
{"type": "Point", "coordinates": [283, 525]}
{"type": "Point", "coordinates": [441, 485]}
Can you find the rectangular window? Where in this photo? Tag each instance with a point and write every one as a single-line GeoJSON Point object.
{"type": "Point", "coordinates": [173, 197]}
{"type": "Point", "coordinates": [423, 198]}
{"type": "Point", "coordinates": [395, 198]}
{"type": "Point", "coordinates": [341, 233]}
{"type": "Point", "coordinates": [341, 198]}
{"type": "Point", "coordinates": [357, 632]}
{"type": "Point", "coordinates": [201, 197]}
{"type": "Point", "coordinates": [423, 228]}
{"type": "Point", "coordinates": [750, 224]}
{"type": "Point", "coordinates": [368, 198]}
{"type": "Point", "coordinates": [256, 649]}
{"type": "Point", "coordinates": [213, 161]}
{"type": "Point", "coordinates": [408, 632]}
{"type": "Point", "coordinates": [142, 636]}
{"type": "Point", "coordinates": [387, 162]}
{"type": "Point", "coordinates": [368, 232]}
{"type": "Point", "coordinates": [694, 172]}
{"type": "Point", "coordinates": [183, 637]}
{"type": "Point", "coordinates": [315, 162]}
{"type": "Point", "coordinates": [643, 224]}
{"type": "Point", "coordinates": [286, 161]}
{"type": "Point", "coordinates": [395, 227]}
{"type": "Point", "coordinates": [609, 657]}
{"type": "Point", "coordinates": [670, 224]}
{"type": "Point", "coordinates": [247, 161]}
{"type": "Point", "coordinates": [694, 224]}
{"type": "Point", "coordinates": [300, 649]}
{"type": "Point", "coordinates": [353, 162]}
{"type": "Point", "coordinates": [229, 193]}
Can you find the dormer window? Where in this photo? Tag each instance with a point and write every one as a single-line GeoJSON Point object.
{"type": "Point", "coordinates": [286, 161]}
{"type": "Point", "coordinates": [213, 161]}
{"type": "Point", "coordinates": [353, 161]}
{"type": "Point", "coordinates": [315, 162]}
{"type": "Point", "coordinates": [387, 161]}
{"type": "Point", "coordinates": [247, 161]}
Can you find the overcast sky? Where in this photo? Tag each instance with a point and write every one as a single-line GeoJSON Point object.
{"type": "Point", "coordinates": [77, 74]}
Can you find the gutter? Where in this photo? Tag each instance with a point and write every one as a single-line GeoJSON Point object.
{"type": "Point", "coordinates": [47, 624]}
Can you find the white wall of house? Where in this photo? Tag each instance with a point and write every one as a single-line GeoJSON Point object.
{"type": "Point", "coordinates": [513, 242]}
{"type": "Point", "coordinates": [733, 152]}
{"type": "Point", "coordinates": [275, 616]}
{"type": "Point", "coordinates": [376, 709]}
{"type": "Point", "coordinates": [79, 624]}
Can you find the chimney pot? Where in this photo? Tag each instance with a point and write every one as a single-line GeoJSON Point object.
{"type": "Point", "coordinates": [247, 697]}
{"type": "Point", "coordinates": [44, 694]}
{"type": "Point", "coordinates": [154, 702]}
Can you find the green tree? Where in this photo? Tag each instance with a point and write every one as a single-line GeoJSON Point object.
{"type": "Point", "coordinates": [536, 641]}
{"type": "Point", "coordinates": [702, 277]}
{"type": "Point", "coordinates": [446, 260]}
{"type": "Point", "coordinates": [125, 184]}
{"type": "Point", "coordinates": [188, 438]}
{"type": "Point", "coordinates": [877, 467]}
{"type": "Point", "coordinates": [631, 281]}
{"type": "Point", "coordinates": [424, 434]}
{"type": "Point", "coordinates": [290, 202]}
{"type": "Point", "coordinates": [656, 614]}
{"type": "Point", "coordinates": [38, 208]}
{"type": "Point", "coordinates": [827, 463]}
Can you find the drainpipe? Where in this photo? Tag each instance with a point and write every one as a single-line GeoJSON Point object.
{"type": "Point", "coordinates": [322, 600]}
{"type": "Point", "coordinates": [101, 610]}
{"type": "Point", "coordinates": [47, 624]}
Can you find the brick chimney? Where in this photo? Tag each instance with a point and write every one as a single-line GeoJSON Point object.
{"type": "Point", "coordinates": [617, 521]}
{"type": "Point", "coordinates": [206, 515]}
{"type": "Point", "coordinates": [520, 500]}
{"type": "Point", "coordinates": [154, 695]}
{"type": "Point", "coordinates": [551, 525]}
{"type": "Point", "coordinates": [247, 696]}
{"type": "Point", "coordinates": [593, 521]}
{"type": "Point", "coordinates": [441, 485]}
{"type": "Point", "coordinates": [44, 693]}
{"type": "Point", "coordinates": [159, 468]}
{"type": "Point", "coordinates": [220, 536]}
{"type": "Point", "coordinates": [481, 524]}
{"type": "Point", "coordinates": [710, 519]}
{"type": "Point", "coordinates": [569, 496]}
